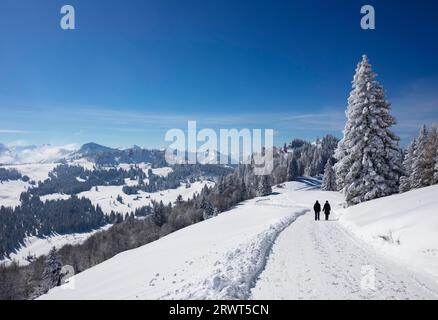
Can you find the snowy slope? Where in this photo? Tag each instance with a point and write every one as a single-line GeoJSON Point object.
{"type": "Point", "coordinates": [34, 246]}
{"type": "Point", "coordinates": [35, 171]}
{"type": "Point", "coordinates": [217, 258]}
{"type": "Point", "coordinates": [106, 196]}
{"type": "Point", "coordinates": [10, 192]}
{"type": "Point", "coordinates": [163, 171]}
{"type": "Point", "coordinates": [404, 227]}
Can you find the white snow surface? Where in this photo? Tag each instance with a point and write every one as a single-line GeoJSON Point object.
{"type": "Point", "coordinates": [10, 192]}
{"type": "Point", "coordinates": [402, 226]}
{"type": "Point", "coordinates": [54, 196]}
{"type": "Point", "coordinates": [35, 246]}
{"type": "Point", "coordinates": [35, 171]}
{"type": "Point", "coordinates": [164, 171]}
{"type": "Point", "coordinates": [106, 196]}
{"type": "Point", "coordinates": [268, 248]}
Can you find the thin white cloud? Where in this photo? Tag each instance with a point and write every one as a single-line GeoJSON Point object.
{"type": "Point", "coordinates": [13, 131]}
{"type": "Point", "coordinates": [18, 153]}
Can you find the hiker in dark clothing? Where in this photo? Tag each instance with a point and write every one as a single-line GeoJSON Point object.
{"type": "Point", "coordinates": [317, 209]}
{"type": "Point", "coordinates": [326, 210]}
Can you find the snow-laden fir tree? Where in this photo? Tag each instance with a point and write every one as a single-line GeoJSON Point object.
{"type": "Point", "coordinates": [52, 273]}
{"type": "Point", "coordinates": [329, 178]}
{"type": "Point", "coordinates": [369, 158]}
{"type": "Point", "coordinates": [406, 179]}
{"type": "Point", "coordinates": [424, 163]}
{"type": "Point", "coordinates": [264, 186]}
{"type": "Point", "coordinates": [433, 153]}
{"type": "Point", "coordinates": [209, 211]}
{"type": "Point", "coordinates": [435, 175]}
{"type": "Point", "coordinates": [292, 169]}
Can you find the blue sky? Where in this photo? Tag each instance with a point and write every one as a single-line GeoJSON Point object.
{"type": "Point", "coordinates": [133, 69]}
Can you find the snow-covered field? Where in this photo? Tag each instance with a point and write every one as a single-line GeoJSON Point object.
{"type": "Point", "coordinates": [34, 246]}
{"type": "Point", "coordinates": [35, 171]}
{"type": "Point", "coordinates": [54, 196]}
{"type": "Point", "coordinates": [106, 196]}
{"type": "Point", "coordinates": [404, 227]}
{"type": "Point", "coordinates": [164, 171]}
{"type": "Point", "coordinates": [10, 192]}
{"type": "Point", "coordinates": [268, 248]}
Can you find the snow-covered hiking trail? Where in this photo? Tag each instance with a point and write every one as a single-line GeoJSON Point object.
{"type": "Point", "coordinates": [265, 248]}
{"type": "Point", "coordinates": [322, 260]}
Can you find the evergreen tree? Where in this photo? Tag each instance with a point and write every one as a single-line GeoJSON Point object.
{"type": "Point", "coordinates": [432, 154]}
{"type": "Point", "coordinates": [264, 186]}
{"type": "Point", "coordinates": [435, 175]}
{"type": "Point", "coordinates": [423, 165]}
{"type": "Point", "coordinates": [369, 159]}
{"type": "Point", "coordinates": [292, 169]}
{"type": "Point", "coordinates": [329, 178]}
{"type": "Point", "coordinates": [159, 213]}
{"type": "Point", "coordinates": [406, 179]}
{"type": "Point", "coordinates": [209, 211]}
{"type": "Point", "coordinates": [52, 273]}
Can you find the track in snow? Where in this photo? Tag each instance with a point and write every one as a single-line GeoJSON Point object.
{"type": "Point", "coordinates": [321, 260]}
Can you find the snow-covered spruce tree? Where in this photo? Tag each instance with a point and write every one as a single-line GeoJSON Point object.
{"type": "Point", "coordinates": [264, 187]}
{"type": "Point", "coordinates": [292, 169]}
{"type": "Point", "coordinates": [424, 163]}
{"type": "Point", "coordinates": [406, 179]}
{"type": "Point", "coordinates": [329, 178]}
{"type": "Point", "coordinates": [52, 273]}
{"type": "Point", "coordinates": [435, 175]}
{"type": "Point", "coordinates": [433, 153]}
{"type": "Point", "coordinates": [369, 158]}
{"type": "Point", "coordinates": [209, 210]}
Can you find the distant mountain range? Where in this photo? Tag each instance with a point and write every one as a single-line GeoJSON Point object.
{"type": "Point", "coordinates": [100, 154]}
{"type": "Point", "coordinates": [91, 151]}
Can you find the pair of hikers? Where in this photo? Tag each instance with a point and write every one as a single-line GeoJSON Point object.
{"type": "Point", "coordinates": [317, 209]}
